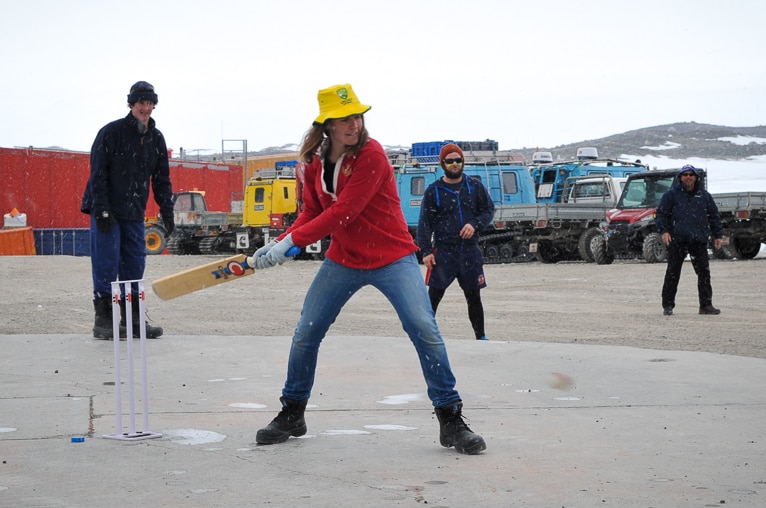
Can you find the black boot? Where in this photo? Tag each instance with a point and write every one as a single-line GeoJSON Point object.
{"type": "Point", "coordinates": [152, 332]}
{"type": "Point", "coordinates": [289, 422]}
{"type": "Point", "coordinates": [453, 430]}
{"type": "Point", "coordinates": [103, 327]}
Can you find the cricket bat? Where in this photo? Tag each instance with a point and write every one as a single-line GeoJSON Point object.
{"type": "Point", "coordinates": [205, 276]}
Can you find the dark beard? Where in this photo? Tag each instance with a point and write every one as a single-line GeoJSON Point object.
{"type": "Point", "coordinates": [453, 174]}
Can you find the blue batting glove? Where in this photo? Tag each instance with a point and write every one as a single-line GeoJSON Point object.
{"type": "Point", "coordinates": [260, 252]}
{"type": "Point", "coordinates": [278, 253]}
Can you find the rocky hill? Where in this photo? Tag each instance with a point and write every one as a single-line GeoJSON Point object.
{"type": "Point", "coordinates": [676, 141]}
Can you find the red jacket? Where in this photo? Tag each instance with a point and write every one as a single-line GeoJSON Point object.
{"type": "Point", "coordinates": [363, 217]}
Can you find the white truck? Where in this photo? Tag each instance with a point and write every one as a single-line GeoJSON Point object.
{"type": "Point", "coordinates": [594, 190]}
{"type": "Point", "coordinates": [560, 231]}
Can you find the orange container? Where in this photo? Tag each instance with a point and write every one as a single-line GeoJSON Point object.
{"type": "Point", "coordinates": [17, 242]}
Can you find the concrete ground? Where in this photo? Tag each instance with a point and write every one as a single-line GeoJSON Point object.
{"type": "Point", "coordinates": [638, 427]}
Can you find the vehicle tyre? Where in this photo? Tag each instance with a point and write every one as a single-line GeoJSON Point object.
{"type": "Point", "coordinates": [548, 253]}
{"type": "Point", "coordinates": [208, 245]}
{"type": "Point", "coordinates": [583, 245]}
{"type": "Point", "coordinates": [745, 248]}
{"type": "Point", "coordinates": [506, 252]}
{"type": "Point", "coordinates": [522, 254]}
{"type": "Point", "coordinates": [601, 253]}
{"type": "Point", "coordinates": [180, 246]}
{"type": "Point", "coordinates": [155, 240]}
{"type": "Point", "coordinates": [491, 254]}
{"type": "Point", "coordinates": [174, 246]}
{"type": "Point", "coordinates": [655, 250]}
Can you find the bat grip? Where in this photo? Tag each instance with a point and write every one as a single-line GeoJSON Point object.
{"type": "Point", "coordinates": [292, 251]}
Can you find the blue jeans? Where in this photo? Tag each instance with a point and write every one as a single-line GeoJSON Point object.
{"type": "Point", "coordinates": [120, 253]}
{"type": "Point", "coordinates": [402, 284]}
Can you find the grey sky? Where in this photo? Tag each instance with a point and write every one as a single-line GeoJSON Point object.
{"type": "Point", "coordinates": [525, 73]}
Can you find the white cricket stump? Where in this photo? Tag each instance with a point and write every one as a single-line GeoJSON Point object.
{"type": "Point", "coordinates": [132, 434]}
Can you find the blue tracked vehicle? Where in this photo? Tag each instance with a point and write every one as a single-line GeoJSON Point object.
{"type": "Point", "coordinates": [524, 226]}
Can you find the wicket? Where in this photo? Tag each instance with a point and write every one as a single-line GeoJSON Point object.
{"type": "Point", "coordinates": [132, 434]}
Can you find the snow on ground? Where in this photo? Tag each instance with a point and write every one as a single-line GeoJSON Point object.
{"type": "Point", "coordinates": [744, 140]}
{"type": "Point", "coordinates": [668, 145]}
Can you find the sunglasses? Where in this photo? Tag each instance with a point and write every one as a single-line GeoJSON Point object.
{"type": "Point", "coordinates": [448, 162]}
{"type": "Point", "coordinates": [687, 174]}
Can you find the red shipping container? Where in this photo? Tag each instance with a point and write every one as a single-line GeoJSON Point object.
{"type": "Point", "coordinates": [47, 185]}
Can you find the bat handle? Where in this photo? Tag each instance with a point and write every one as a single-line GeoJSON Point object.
{"type": "Point", "coordinates": [292, 251]}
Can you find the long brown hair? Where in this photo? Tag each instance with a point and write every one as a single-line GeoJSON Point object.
{"type": "Point", "coordinates": [317, 137]}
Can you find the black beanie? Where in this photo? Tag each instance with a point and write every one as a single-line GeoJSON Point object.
{"type": "Point", "coordinates": [142, 91]}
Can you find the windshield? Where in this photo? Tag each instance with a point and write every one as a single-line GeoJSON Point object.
{"type": "Point", "coordinates": [645, 191]}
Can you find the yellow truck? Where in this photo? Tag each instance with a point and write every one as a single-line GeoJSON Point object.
{"type": "Point", "coordinates": [266, 208]}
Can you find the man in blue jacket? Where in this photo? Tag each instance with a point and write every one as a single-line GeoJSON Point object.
{"type": "Point", "coordinates": [455, 208]}
{"type": "Point", "coordinates": [686, 216]}
{"type": "Point", "coordinates": [127, 156]}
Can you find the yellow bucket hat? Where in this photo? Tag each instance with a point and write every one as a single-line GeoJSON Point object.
{"type": "Point", "coordinates": [338, 101]}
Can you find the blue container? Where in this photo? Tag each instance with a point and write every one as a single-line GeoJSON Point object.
{"type": "Point", "coordinates": [66, 242]}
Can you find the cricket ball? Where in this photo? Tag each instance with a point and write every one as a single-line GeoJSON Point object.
{"type": "Point", "coordinates": [561, 381]}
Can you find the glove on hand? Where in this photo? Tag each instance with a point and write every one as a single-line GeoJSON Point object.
{"type": "Point", "coordinates": [263, 262]}
{"type": "Point", "coordinates": [260, 252]}
{"type": "Point", "coordinates": [278, 253]}
{"type": "Point", "coordinates": [170, 225]}
{"type": "Point", "coordinates": [104, 221]}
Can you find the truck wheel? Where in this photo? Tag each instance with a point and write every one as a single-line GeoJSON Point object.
{"type": "Point", "coordinates": [506, 252]}
{"type": "Point", "coordinates": [745, 248]}
{"type": "Point", "coordinates": [155, 240]}
{"type": "Point", "coordinates": [522, 254]}
{"type": "Point", "coordinates": [491, 254]}
{"type": "Point", "coordinates": [548, 253]}
{"type": "Point", "coordinates": [583, 245]}
{"type": "Point", "coordinates": [208, 246]}
{"type": "Point", "coordinates": [655, 251]}
{"type": "Point", "coordinates": [601, 253]}
{"type": "Point", "coordinates": [174, 246]}
{"type": "Point", "coordinates": [180, 246]}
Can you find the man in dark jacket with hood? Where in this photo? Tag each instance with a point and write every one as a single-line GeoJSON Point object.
{"type": "Point", "coordinates": [686, 216]}
{"type": "Point", "coordinates": [127, 156]}
{"type": "Point", "coordinates": [454, 210]}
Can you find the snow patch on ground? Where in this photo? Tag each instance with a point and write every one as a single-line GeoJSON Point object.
{"type": "Point", "coordinates": [744, 140]}
{"type": "Point", "coordinates": [667, 145]}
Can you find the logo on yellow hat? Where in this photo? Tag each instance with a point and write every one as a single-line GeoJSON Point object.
{"type": "Point", "coordinates": [345, 105]}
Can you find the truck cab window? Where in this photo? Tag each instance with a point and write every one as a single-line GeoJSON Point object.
{"type": "Point", "coordinates": [510, 185]}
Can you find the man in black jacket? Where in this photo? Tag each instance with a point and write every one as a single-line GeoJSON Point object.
{"type": "Point", "coordinates": [685, 217]}
{"type": "Point", "coordinates": [127, 156]}
{"type": "Point", "coordinates": [454, 210]}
